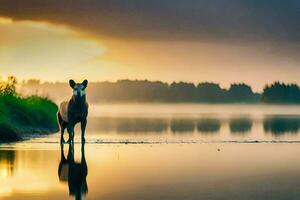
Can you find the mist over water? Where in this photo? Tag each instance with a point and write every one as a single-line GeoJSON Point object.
{"type": "Point", "coordinates": [193, 123]}
{"type": "Point", "coordinates": [187, 123]}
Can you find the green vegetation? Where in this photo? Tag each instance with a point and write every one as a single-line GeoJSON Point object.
{"type": "Point", "coordinates": [22, 116]}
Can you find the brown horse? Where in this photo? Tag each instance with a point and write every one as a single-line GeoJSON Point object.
{"type": "Point", "coordinates": [74, 111]}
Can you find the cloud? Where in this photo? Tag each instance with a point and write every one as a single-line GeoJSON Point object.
{"type": "Point", "coordinates": [230, 20]}
{"type": "Point", "coordinates": [34, 48]}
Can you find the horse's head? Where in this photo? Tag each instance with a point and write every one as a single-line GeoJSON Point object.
{"type": "Point", "coordinates": [78, 90]}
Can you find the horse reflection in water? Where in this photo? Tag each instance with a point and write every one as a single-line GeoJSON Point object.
{"type": "Point", "coordinates": [74, 173]}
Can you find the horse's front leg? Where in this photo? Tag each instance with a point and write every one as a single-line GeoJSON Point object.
{"type": "Point", "coordinates": [70, 128]}
{"type": "Point", "coordinates": [63, 126]}
{"type": "Point", "coordinates": [83, 126]}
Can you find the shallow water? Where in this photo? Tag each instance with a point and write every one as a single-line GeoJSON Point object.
{"type": "Point", "coordinates": [176, 151]}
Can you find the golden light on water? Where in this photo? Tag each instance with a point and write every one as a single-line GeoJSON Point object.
{"type": "Point", "coordinates": [16, 174]}
{"type": "Point", "coordinates": [140, 169]}
{"type": "Point", "coordinates": [3, 173]}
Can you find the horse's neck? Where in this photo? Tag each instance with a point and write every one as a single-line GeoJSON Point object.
{"type": "Point", "coordinates": [79, 103]}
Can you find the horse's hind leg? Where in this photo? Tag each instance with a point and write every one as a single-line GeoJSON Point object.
{"type": "Point", "coordinates": [63, 126]}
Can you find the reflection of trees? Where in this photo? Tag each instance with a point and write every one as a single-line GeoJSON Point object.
{"type": "Point", "coordinates": [7, 160]}
{"type": "Point", "coordinates": [208, 125]}
{"type": "Point", "coordinates": [281, 125]}
{"type": "Point", "coordinates": [130, 125]}
{"type": "Point", "coordinates": [240, 125]}
{"type": "Point", "coordinates": [182, 125]}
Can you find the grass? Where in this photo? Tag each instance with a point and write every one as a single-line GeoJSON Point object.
{"type": "Point", "coordinates": [20, 116]}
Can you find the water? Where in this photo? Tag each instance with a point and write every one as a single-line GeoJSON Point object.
{"type": "Point", "coordinates": [157, 151]}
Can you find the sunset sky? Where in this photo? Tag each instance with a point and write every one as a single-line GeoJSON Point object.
{"type": "Point", "coordinates": [255, 41]}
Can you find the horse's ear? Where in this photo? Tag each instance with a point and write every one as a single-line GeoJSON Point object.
{"type": "Point", "coordinates": [72, 83]}
{"type": "Point", "coordinates": [85, 83]}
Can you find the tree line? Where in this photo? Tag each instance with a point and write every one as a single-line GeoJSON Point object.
{"type": "Point", "coordinates": [127, 90]}
{"type": "Point", "coordinates": [157, 91]}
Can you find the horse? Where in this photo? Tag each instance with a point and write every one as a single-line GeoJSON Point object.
{"type": "Point", "coordinates": [74, 111]}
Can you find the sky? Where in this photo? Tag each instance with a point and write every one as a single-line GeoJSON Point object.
{"type": "Point", "coordinates": [251, 41]}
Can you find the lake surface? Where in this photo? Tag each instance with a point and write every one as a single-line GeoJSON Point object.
{"type": "Point", "coordinates": [159, 151]}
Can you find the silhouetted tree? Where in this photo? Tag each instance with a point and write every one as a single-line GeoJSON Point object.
{"type": "Point", "coordinates": [210, 92]}
{"type": "Point", "coordinates": [281, 93]}
{"type": "Point", "coordinates": [182, 92]}
{"type": "Point", "coordinates": [241, 93]}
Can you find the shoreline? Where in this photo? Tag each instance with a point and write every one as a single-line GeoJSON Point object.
{"type": "Point", "coordinates": [10, 135]}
